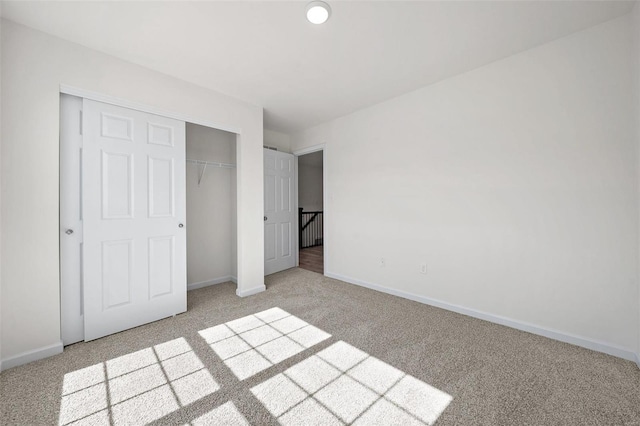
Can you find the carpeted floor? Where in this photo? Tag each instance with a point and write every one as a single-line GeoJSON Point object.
{"type": "Point", "coordinates": [329, 353]}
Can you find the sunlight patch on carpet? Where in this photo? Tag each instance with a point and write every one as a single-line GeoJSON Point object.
{"type": "Point", "coordinates": [338, 385]}
{"type": "Point", "coordinates": [252, 344]}
{"type": "Point", "coordinates": [136, 388]}
{"type": "Point", "coordinates": [225, 415]}
{"type": "Point", "coordinates": [342, 385]}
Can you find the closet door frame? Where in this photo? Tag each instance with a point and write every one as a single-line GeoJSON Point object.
{"type": "Point", "coordinates": [72, 325]}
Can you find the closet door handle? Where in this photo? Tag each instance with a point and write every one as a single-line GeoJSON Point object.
{"type": "Point", "coordinates": [181, 226]}
{"type": "Point", "coordinates": [265, 218]}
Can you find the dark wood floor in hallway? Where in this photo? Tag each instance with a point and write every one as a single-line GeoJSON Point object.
{"type": "Point", "coordinates": [312, 259]}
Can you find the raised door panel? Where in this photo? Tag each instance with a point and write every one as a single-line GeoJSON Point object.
{"type": "Point", "coordinates": [161, 187]}
{"type": "Point", "coordinates": [285, 238]}
{"type": "Point", "coordinates": [269, 163]}
{"type": "Point", "coordinates": [159, 134]}
{"type": "Point", "coordinates": [117, 273]}
{"type": "Point", "coordinates": [116, 127]}
{"type": "Point", "coordinates": [286, 191]}
{"type": "Point", "coordinates": [117, 185]}
{"type": "Point", "coordinates": [161, 266]}
{"type": "Point", "coordinates": [270, 241]}
{"type": "Point", "coordinates": [286, 165]}
{"type": "Point", "coordinates": [270, 201]}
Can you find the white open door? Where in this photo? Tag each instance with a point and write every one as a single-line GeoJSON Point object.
{"type": "Point", "coordinates": [134, 250]}
{"type": "Point", "coordinates": [280, 233]}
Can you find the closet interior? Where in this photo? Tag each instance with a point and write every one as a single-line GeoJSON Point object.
{"type": "Point", "coordinates": [211, 206]}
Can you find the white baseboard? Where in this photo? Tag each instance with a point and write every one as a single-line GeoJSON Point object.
{"type": "Point", "coordinates": [214, 281]}
{"type": "Point", "coordinates": [31, 356]}
{"type": "Point", "coordinates": [638, 360]}
{"type": "Point", "coordinates": [530, 328]}
{"type": "Point", "coordinates": [251, 291]}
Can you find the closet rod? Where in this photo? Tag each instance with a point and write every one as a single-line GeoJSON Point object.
{"type": "Point", "coordinates": [212, 163]}
{"type": "Point", "coordinates": [209, 163]}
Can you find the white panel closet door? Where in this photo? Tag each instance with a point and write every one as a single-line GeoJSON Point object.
{"type": "Point", "coordinates": [134, 213]}
{"type": "Point", "coordinates": [71, 305]}
{"type": "Point", "coordinates": [280, 233]}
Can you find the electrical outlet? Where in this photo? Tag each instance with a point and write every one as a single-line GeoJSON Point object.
{"type": "Point", "coordinates": [382, 262]}
{"type": "Point", "coordinates": [423, 268]}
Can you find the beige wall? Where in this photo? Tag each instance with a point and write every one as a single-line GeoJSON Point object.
{"type": "Point", "coordinates": [210, 207]}
{"type": "Point", "coordinates": [34, 65]}
{"type": "Point", "coordinates": [516, 183]}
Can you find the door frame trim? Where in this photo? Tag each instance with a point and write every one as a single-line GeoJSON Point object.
{"type": "Point", "coordinates": [94, 96]}
{"type": "Point", "coordinates": [297, 153]}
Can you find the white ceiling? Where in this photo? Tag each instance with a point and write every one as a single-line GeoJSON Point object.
{"type": "Point", "coordinates": [302, 74]}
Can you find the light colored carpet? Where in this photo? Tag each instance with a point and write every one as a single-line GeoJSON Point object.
{"type": "Point", "coordinates": [312, 350]}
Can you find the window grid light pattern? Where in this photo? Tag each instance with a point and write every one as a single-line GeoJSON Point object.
{"type": "Point", "coordinates": [338, 385]}
{"type": "Point", "coordinates": [344, 385]}
{"type": "Point", "coordinates": [252, 344]}
{"type": "Point", "coordinates": [136, 388]}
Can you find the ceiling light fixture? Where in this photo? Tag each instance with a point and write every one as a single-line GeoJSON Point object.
{"type": "Point", "coordinates": [318, 12]}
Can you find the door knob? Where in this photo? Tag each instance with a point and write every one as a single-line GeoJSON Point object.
{"type": "Point", "coordinates": [265, 218]}
{"type": "Point", "coordinates": [181, 226]}
{"type": "Point", "coordinates": [69, 231]}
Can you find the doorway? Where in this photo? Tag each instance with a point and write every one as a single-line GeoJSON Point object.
{"type": "Point", "coordinates": [311, 211]}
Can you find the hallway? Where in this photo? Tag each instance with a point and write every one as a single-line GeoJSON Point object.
{"type": "Point", "coordinates": [312, 259]}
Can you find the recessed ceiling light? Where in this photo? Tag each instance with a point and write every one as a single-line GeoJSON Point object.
{"type": "Point", "coordinates": [318, 12]}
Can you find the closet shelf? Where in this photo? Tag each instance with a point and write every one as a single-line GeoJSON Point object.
{"type": "Point", "coordinates": [212, 163]}
{"type": "Point", "coordinates": [206, 164]}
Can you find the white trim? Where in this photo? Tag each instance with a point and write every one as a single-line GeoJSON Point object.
{"type": "Point", "coordinates": [31, 356]}
{"type": "Point", "coordinates": [251, 291]}
{"type": "Point", "coordinates": [324, 210]}
{"type": "Point", "coordinates": [295, 207]}
{"type": "Point", "coordinates": [497, 319]}
{"type": "Point", "coordinates": [309, 150]}
{"type": "Point", "coordinates": [201, 284]}
{"type": "Point", "coordinates": [87, 94]}
{"type": "Point", "coordinates": [638, 360]}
